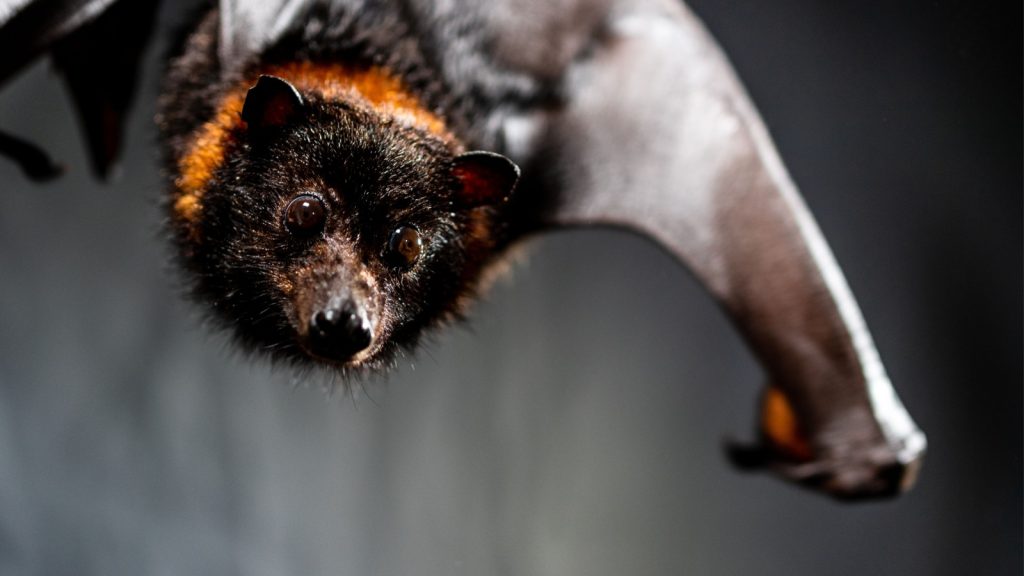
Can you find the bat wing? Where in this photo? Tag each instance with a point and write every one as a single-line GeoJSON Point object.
{"type": "Point", "coordinates": [657, 136]}
{"type": "Point", "coordinates": [246, 26]}
{"type": "Point", "coordinates": [28, 28]}
{"type": "Point", "coordinates": [96, 46]}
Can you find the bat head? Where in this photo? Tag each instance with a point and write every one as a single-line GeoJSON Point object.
{"type": "Point", "coordinates": [336, 234]}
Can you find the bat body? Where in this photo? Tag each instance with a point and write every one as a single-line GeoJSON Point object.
{"type": "Point", "coordinates": [344, 176]}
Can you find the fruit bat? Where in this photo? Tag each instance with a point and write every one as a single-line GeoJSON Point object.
{"type": "Point", "coordinates": [344, 175]}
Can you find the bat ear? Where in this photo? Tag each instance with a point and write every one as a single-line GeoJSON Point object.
{"type": "Point", "coordinates": [486, 178]}
{"type": "Point", "coordinates": [271, 103]}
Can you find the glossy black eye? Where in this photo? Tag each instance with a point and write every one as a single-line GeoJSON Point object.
{"type": "Point", "coordinates": [305, 215]}
{"type": "Point", "coordinates": [404, 247]}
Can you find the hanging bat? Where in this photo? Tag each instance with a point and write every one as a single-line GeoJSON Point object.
{"type": "Point", "coordinates": [345, 175]}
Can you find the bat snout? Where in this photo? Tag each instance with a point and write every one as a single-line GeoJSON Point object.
{"type": "Point", "coordinates": [339, 331]}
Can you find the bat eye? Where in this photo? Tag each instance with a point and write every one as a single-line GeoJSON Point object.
{"type": "Point", "coordinates": [404, 247]}
{"type": "Point", "coordinates": [305, 215]}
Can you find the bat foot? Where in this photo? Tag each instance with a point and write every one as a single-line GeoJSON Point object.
{"type": "Point", "coordinates": [859, 475]}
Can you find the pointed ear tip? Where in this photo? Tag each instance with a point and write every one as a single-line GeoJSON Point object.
{"type": "Point", "coordinates": [268, 83]}
{"type": "Point", "coordinates": [511, 167]}
{"type": "Point", "coordinates": [262, 82]}
{"type": "Point", "coordinates": [492, 160]}
{"type": "Point", "coordinates": [265, 79]}
{"type": "Point", "coordinates": [487, 177]}
{"type": "Point", "coordinates": [271, 101]}
{"type": "Point", "coordinates": [516, 170]}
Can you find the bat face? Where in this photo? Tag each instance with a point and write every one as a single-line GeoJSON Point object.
{"type": "Point", "coordinates": [332, 233]}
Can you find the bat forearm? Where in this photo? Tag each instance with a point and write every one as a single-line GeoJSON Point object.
{"type": "Point", "coordinates": [779, 281]}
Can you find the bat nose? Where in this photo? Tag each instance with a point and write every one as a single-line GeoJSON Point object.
{"type": "Point", "coordinates": [340, 331]}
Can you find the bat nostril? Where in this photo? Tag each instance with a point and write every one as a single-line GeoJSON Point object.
{"type": "Point", "coordinates": [357, 330]}
{"type": "Point", "coordinates": [324, 322]}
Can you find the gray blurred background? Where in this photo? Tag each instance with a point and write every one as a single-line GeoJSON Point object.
{"type": "Point", "coordinates": [575, 426]}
